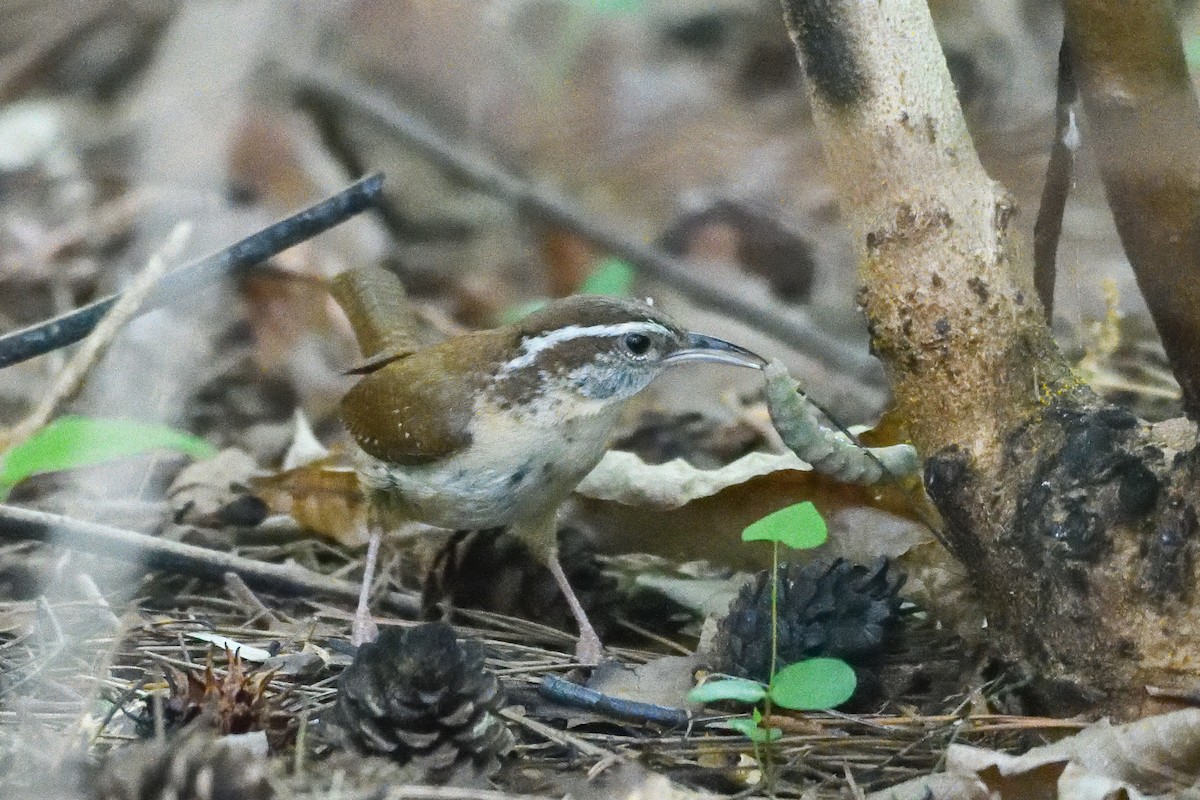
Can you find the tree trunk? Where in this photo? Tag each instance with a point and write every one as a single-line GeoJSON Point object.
{"type": "Point", "coordinates": [1144, 125]}
{"type": "Point", "coordinates": [1074, 520]}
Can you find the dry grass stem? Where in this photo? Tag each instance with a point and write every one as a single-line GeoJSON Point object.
{"type": "Point", "coordinates": [70, 380]}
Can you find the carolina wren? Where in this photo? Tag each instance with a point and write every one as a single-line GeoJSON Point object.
{"type": "Point", "coordinates": [496, 428]}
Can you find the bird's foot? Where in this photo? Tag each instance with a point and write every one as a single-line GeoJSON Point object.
{"type": "Point", "coordinates": [364, 629]}
{"type": "Point", "coordinates": [589, 650]}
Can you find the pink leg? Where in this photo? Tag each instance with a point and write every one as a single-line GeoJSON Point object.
{"type": "Point", "coordinates": [365, 630]}
{"type": "Point", "coordinates": [589, 650]}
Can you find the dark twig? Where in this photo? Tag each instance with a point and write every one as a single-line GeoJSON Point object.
{"type": "Point", "coordinates": [156, 553]}
{"type": "Point", "coordinates": [328, 88]}
{"type": "Point", "coordinates": [69, 328]}
{"type": "Point", "coordinates": [1047, 230]}
{"type": "Point", "coordinates": [563, 691]}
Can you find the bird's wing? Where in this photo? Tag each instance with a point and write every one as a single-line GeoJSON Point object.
{"type": "Point", "coordinates": [378, 361]}
{"type": "Point", "coordinates": [417, 407]}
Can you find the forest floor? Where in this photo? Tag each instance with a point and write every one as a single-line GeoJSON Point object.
{"type": "Point", "coordinates": [681, 124]}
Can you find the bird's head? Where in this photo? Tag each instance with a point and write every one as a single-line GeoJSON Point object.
{"type": "Point", "coordinates": [605, 350]}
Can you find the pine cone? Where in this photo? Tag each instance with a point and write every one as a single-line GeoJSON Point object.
{"type": "Point", "coordinates": [839, 609]}
{"type": "Point", "coordinates": [420, 697]}
{"type": "Point", "coordinates": [493, 571]}
{"type": "Point", "coordinates": [193, 765]}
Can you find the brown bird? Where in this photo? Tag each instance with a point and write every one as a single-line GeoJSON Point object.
{"type": "Point", "coordinates": [497, 427]}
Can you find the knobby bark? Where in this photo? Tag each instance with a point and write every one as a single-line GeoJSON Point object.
{"type": "Point", "coordinates": [1074, 520]}
{"type": "Point", "coordinates": [959, 328]}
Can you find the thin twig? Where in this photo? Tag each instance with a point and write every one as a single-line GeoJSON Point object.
{"type": "Point", "coordinates": [1059, 174]}
{"type": "Point", "coordinates": [554, 734]}
{"type": "Point", "coordinates": [92, 592]}
{"type": "Point", "coordinates": [670, 644]}
{"type": "Point", "coordinates": [238, 588]}
{"type": "Point", "coordinates": [69, 328]}
{"type": "Point", "coordinates": [71, 378]}
{"type": "Point", "coordinates": [327, 87]}
{"type": "Point", "coordinates": [157, 553]}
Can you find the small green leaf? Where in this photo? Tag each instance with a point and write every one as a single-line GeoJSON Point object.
{"type": "Point", "coordinates": [1191, 51]}
{"type": "Point", "coordinates": [520, 311]}
{"type": "Point", "coordinates": [749, 728]}
{"type": "Point", "coordinates": [737, 689]}
{"type": "Point", "coordinates": [813, 684]}
{"type": "Point", "coordinates": [72, 441]}
{"type": "Point", "coordinates": [614, 6]}
{"type": "Point", "coordinates": [800, 527]}
{"type": "Point", "coordinates": [612, 276]}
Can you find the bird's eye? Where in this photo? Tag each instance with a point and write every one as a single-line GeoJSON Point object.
{"type": "Point", "coordinates": [637, 343]}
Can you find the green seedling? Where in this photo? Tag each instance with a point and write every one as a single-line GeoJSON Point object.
{"type": "Point", "coordinates": [74, 441]}
{"type": "Point", "coordinates": [751, 727]}
{"type": "Point", "coordinates": [614, 7]}
{"type": "Point", "coordinates": [809, 685]}
{"type": "Point", "coordinates": [800, 527]}
{"type": "Point", "coordinates": [610, 276]}
{"type": "Point", "coordinates": [1191, 51]}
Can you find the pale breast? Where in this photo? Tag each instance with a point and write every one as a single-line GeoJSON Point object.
{"type": "Point", "coordinates": [515, 468]}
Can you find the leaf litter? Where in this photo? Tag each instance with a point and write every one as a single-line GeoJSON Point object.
{"type": "Point", "coordinates": [84, 666]}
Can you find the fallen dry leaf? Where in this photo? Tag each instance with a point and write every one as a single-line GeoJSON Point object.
{"type": "Point", "coordinates": [705, 596]}
{"type": "Point", "coordinates": [683, 512]}
{"type": "Point", "coordinates": [203, 489]}
{"type": "Point", "coordinates": [1152, 756]}
{"type": "Point", "coordinates": [324, 497]}
{"type": "Point", "coordinates": [942, 786]}
{"type": "Point", "coordinates": [632, 782]}
{"type": "Point", "coordinates": [864, 523]}
{"type": "Point", "coordinates": [624, 478]}
{"type": "Point", "coordinates": [664, 681]}
{"type": "Point", "coordinates": [1078, 783]}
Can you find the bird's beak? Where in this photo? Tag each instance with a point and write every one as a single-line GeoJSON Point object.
{"type": "Point", "coordinates": [710, 348]}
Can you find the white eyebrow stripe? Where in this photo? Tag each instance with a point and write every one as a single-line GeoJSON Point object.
{"type": "Point", "coordinates": [536, 344]}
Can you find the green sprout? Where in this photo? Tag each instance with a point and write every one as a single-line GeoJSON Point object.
{"type": "Point", "coordinates": [72, 441]}
{"type": "Point", "coordinates": [609, 276]}
{"type": "Point", "coordinates": [809, 685]}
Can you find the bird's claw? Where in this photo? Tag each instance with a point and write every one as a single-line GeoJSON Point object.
{"type": "Point", "coordinates": [589, 650]}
